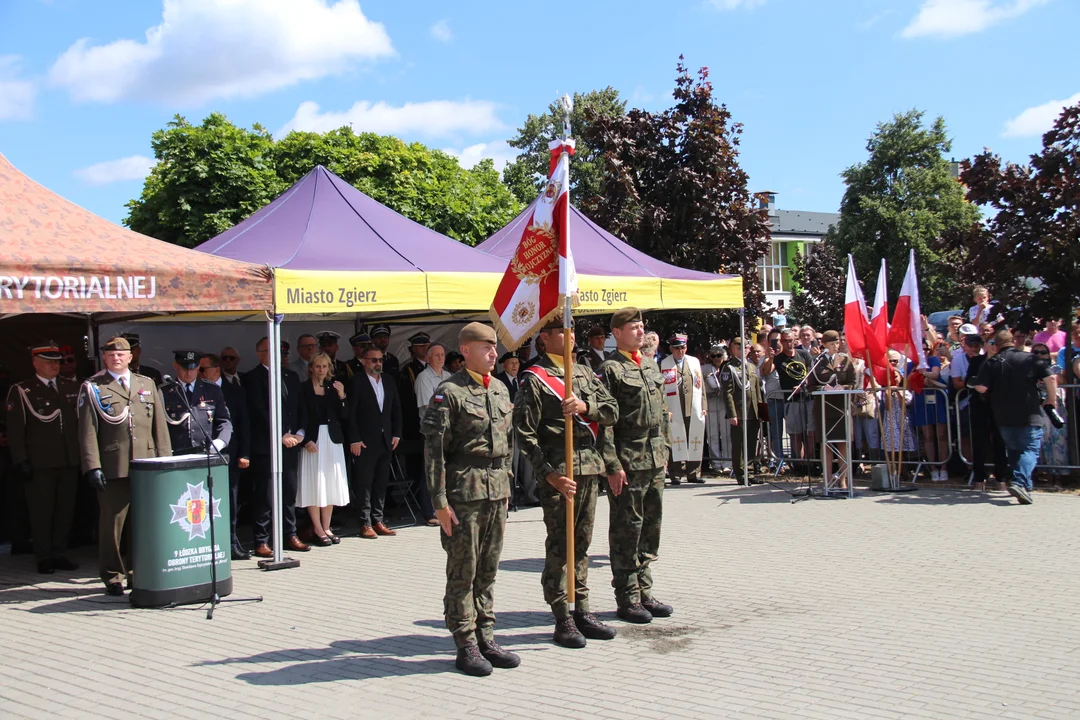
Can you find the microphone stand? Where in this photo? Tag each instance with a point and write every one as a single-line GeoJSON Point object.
{"type": "Point", "coordinates": [207, 431]}
{"type": "Point", "coordinates": [808, 493]}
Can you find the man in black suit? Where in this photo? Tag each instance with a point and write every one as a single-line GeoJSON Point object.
{"type": "Point", "coordinates": [373, 432]}
{"type": "Point", "coordinates": [239, 448]}
{"type": "Point", "coordinates": [596, 355]}
{"type": "Point", "coordinates": [293, 420]}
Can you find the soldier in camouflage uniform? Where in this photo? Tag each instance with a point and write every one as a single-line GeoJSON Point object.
{"type": "Point", "coordinates": [539, 421]}
{"type": "Point", "coordinates": [467, 460]}
{"type": "Point", "coordinates": [731, 377]}
{"type": "Point", "coordinates": [635, 451]}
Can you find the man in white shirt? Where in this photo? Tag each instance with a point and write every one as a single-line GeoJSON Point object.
{"type": "Point", "coordinates": [432, 375]}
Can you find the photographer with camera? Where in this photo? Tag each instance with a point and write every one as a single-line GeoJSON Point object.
{"type": "Point", "coordinates": [1011, 378]}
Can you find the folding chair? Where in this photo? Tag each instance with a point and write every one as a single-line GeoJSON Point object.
{"type": "Point", "coordinates": [400, 488]}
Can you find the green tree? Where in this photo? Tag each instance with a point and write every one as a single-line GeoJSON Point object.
{"type": "Point", "coordinates": [672, 187]}
{"type": "Point", "coordinates": [205, 180]}
{"type": "Point", "coordinates": [525, 176]}
{"type": "Point", "coordinates": [904, 196]}
{"type": "Point", "coordinates": [819, 283]}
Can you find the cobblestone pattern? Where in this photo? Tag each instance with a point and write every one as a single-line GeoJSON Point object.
{"type": "Point", "coordinates": [936, 604]}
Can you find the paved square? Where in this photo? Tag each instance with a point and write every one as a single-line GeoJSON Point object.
{"type": "Point", "coordinates": [936, 604]}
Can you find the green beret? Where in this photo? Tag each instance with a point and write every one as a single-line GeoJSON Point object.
{"type": "Point", "coordinates": [830, 336]}
{"type": "Point", "coordinates": [477, 332]}
{"type": "Point", "coordinates": [625, 315]}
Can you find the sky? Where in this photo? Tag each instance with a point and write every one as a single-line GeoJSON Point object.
{"type": "Point", "coordinates": [84, 83]}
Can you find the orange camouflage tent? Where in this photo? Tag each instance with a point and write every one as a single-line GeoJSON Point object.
{"type": "Point", "coordinates": [56, 257]}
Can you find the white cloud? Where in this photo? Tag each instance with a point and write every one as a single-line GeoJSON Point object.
{"type": "Point", "coordinates": [953, 18]}
{"type": "Point", "coordinates": [436, 118]}
{"type": "Point", "coordinates": [16, 94]}
{"type": "Point", "coordinates": [498, 151]}
{"type": "Point", "coordinates": [735, 4]}
{"type": "Point", "coordinates": [135, 167]}
{"type": "Point", "coordinates": [441, 31]}
{"type": "Point", "coordinates": [207, 49]}
{"type": "Point", "coordinates": [1037, 120]}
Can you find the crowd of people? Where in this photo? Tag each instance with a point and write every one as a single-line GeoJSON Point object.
{"type": "Point", "coordinates": [352, 427]}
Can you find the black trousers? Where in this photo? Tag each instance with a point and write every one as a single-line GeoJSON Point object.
{"type": "Point", "coordinates": [371, 476]}
{"type": "Point", "coordinates": [51, 497]}
{"type": "Point", "coordinates": [264, 493]}
{"type": "Point", "coordinates": [986, 442]}
{"type": "Point", "coordinates": [234, 498]}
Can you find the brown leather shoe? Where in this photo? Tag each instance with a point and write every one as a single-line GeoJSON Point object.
{"type": "Point", "coordinates": [368, 533]}
{"type": "Point", "coordinates": [295, 543]}
{"type": "Point", "coordinates": [263, 550]}
{"type": "Point", "coordinates": [383, 530]}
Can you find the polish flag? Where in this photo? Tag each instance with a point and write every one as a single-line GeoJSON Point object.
{"type": "Point", "coordinates": [541, 273]}
{"type": "Point", "coordinates": [856, 320]}
{"type": "Point", "coordinates": [906, 331]}
{"type": "Point", "coordinates": [876, 340]}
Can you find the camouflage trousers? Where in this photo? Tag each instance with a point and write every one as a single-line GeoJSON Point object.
{"type": "Point", "coordinates": [634, 534]}
{"type": "Point", "coordinates": [553, 579]}
{"type": "Point", "coordinates": [472, 559]}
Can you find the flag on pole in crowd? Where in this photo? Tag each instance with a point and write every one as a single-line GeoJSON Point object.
{"type": "Point", "coordinates": [541, 273]}
{"type": "Point", "coordinates": [856, 319]}
{"type": "Point", "coordinates": [906, 331]}
{"type": "Point", "coordinates": [879, 318]}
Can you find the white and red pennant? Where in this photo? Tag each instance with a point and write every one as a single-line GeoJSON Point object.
{"type": "Point", "coordinates": [541, 273]}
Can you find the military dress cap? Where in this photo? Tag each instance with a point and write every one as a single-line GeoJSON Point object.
{"type": "Point", "coordinates": [734, 341]}
{"type": "Point", "coordinates": [507, 356]}
{"type": "Point", "coordinates": [47, 351]}
{"type": "Point", "coordinates": [116, 343]}
{"type": "Point", "coordinates": [677, 340]}
{"type": "Point", "coordinates": [285, 346]}
{"type": "Point", "coordinates": [132, 338]}
{"type": "Point", "coordinates": [474, 332]}
{"type": "Point", "coordinates": [328, 337]}
{"type": "Point", "coordinates": [187, 359]}
{"type": "Point", "coordinates": [422, 338]}
{"type": "Point", "coordinates": [360, 338]}
{"type": "Point", "coordinates": [597, 331]}
{"type": "Point", "coordinates": [380, 329]}
{"type": "Point", "coordinates": [830, 336]}
{"type": "Point", "coordinates": [67, 350]}
{"type": "Point", "coordinates": [625, 315]}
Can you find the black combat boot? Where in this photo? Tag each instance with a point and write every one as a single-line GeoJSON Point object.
{"type": "Point", "coordinates": [567, 634]}
{"type": "Point", "coordinates": [634, 614]}
{"type": "Point", "coordinates": [471, 662]}
{"type": "Point", "coordinates": [591, 627]}
{"type": "Point", "coordinates": [497, 656]}
{"type": "Point", "coordinates": [657, 608]}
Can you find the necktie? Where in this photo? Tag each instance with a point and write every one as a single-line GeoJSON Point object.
{"type": "Point", "coordinates": [123, 382]}
{"type": "Point", "coordinates": [636, 356]}
{"type": "Point", "coordinates": [487, 381]}
{"type": "Point", "coordinates": [52, 385]}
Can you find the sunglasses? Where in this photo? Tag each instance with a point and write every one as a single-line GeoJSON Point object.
{"type": "Point", "coordinates": [1041, 352]}
{"type": "Point", "coordinates": [69, 359]}
{"type": "Point", "coordinates": [230, 357]}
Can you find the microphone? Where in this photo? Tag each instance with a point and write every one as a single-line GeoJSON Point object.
{"type": "Point", "coordinates": [167, 380]}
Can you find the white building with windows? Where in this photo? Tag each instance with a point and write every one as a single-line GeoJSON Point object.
{"type": "Point", "coordinates": [792, 231]}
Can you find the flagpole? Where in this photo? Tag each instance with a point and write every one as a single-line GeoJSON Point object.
{"type": "Point", "coordinates": [568, 427]}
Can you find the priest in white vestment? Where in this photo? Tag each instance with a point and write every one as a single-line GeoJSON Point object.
{"type": "Point", "coordinates": [683, 391]}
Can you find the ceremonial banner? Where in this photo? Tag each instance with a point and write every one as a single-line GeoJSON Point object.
{"type": "Point", "coordinates": [856, 319]}
{"type": "Point", "coordinates": [541, 272]}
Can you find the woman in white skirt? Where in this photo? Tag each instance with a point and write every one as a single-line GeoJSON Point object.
{"type": "Point", "coordinates": [323, 482]}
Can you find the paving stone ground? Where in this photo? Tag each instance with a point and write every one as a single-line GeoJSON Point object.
{"type": "Point", "coordinates": [936, 604]}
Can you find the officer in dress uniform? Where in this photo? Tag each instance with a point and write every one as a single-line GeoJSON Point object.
{"type": "Point", "coordinates": [412, 446]}
{"type": "Point", "coordinates": [136, 355]}
{"type": "Point", "coordinates": [360, 341]}
{"type": "Point", "coordinates": [194, 408]}
{"type": "Point", "coordinates": [43, 437]}
{"type": "Point", "coordinates": [121, 418]}
{"type": "Point", "coordinates": [732, 382]}
{"type": "Point", "coordinates": [467, 458]}
{"type": "Point", "coordinates": [540, 428]}
{"type": "Point", "coordinates": [380, 337]}
{"type": "Point", "coordinates": [596, 356]}
{"type": "Point", "coordinates": [328, 343]}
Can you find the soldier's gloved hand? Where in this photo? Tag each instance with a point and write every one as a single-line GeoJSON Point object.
{"type": "Point", "coordinates": [24, 470]}
{"type": "Point", "coordinates": [96, 478]}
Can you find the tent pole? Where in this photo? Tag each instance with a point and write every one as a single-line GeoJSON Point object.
{"type": "Point", "coordinates": [274, 359]}
{"type": "Point", "coordinates": [742, 425]}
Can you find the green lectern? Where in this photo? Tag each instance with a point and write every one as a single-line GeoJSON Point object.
{"type": "Point", "coordinates": [171, 514]}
